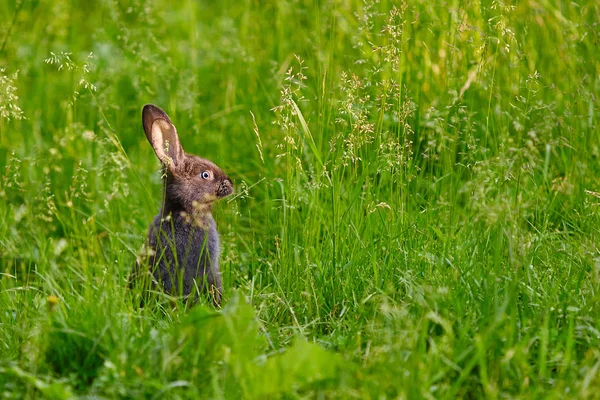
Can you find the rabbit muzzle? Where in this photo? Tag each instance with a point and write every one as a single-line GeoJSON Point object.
{"type": "Point", "coordinates": [225, 188]}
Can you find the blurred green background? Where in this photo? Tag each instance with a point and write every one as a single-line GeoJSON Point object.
{"type": "Point", "coordinates": [416, 210]}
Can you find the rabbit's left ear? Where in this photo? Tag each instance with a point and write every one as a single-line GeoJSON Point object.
{"type": "Point", "coordinates": [162, 135]}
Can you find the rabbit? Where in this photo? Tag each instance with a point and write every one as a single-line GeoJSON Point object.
{"type": "Point", "coordinates": [183, 243]}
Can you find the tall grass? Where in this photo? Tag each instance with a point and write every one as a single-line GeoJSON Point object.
{"type": "Point", "coordinates": [416, 213]}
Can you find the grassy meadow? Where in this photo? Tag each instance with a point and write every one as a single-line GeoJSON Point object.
{"type": "Point", "coordinates": [416, 210]}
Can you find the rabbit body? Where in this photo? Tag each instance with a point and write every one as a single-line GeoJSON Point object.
{"type": "Point", "coordinates": [185, 256]}
{"type": "Point", "coordinates": [183, 242]}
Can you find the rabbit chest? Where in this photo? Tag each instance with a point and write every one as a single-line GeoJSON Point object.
{"type": "Point", "coordinates": [185, 254]}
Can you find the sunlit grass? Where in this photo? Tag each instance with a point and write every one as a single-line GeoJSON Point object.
{"type": "Point", "coordinates": [416, 206]}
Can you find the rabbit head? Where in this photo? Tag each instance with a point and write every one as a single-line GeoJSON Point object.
{"type": "Point", "coordinates": [192, 183]}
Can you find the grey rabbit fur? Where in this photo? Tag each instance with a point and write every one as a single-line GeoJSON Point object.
{"type": "Point", "coordinates": [183, 243]}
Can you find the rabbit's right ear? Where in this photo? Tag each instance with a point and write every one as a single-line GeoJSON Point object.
{"type": "Point", "coordinates": [162, 135]}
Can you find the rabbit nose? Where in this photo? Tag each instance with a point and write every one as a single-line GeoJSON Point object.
{"type": "Point", "coordinates": [226, 188]}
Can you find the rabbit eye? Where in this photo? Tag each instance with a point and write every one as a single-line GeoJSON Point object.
{"type": "Point", "coordinates": [205, 175]}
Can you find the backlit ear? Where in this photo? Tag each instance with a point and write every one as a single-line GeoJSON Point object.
{"type": "Point", "coordinates": [162, 135]}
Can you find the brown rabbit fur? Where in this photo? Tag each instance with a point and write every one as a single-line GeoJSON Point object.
{"type": "Point", "coordinates": [183, 243]}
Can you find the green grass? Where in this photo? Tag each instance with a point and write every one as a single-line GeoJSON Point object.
{"type": "Point", "coordinates": [417, 203]}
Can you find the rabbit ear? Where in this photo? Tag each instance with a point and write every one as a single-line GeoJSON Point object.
{"type": "Point", "coordinates": [162, 135]}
